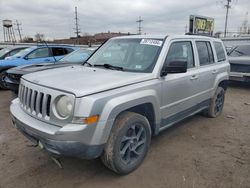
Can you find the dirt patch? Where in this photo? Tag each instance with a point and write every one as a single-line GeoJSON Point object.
{"type": "Point", "coordinates": [199, 152]}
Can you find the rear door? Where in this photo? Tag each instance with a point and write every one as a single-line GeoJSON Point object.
{"type": "Point", "coordinates": [207, 70]}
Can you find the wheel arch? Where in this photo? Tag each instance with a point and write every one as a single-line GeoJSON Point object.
{"type": "Point", "coordinates": [143, 102]}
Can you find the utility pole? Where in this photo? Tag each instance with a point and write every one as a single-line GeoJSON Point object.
{"type": "Point", "coordinates": [19, 30]}
{"type": "Point", "coordinates": [228, 6]}
{"type": "Point", "coordinates": [77, 30]}
{"type": "Point", "coordinates": [139, 25]}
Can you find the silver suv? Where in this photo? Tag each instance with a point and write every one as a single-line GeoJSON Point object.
{"type": "Point", "coordinates": [130, 89]}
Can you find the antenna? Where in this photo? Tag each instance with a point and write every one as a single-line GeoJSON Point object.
{"type": "Point", "coordinates": [77, 30]}
{"type": "Point", "coordinates": [19, 29]}
{"type": "Point", "coordinates": [139, 25]}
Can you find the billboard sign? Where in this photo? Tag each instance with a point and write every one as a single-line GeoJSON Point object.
{"type": "Point", "coordinates": [201, 25]}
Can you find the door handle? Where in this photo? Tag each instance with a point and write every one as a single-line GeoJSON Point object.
{"type": "Point", "coordinates": [47, 60]}
{"type": "Point", "coordinates": [214, 71]}
{"type": "Point", "coordinates": [194, 77]}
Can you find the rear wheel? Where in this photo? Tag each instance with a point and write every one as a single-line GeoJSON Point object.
{"type": "Point", "coordinates": [217, 103]}
{"type": "Point", "coordinates": [128, 143]}
{"type": "Point", "coordinates": [2, 76]}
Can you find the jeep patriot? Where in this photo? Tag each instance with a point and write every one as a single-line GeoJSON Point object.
{"type": "Point", "coordinates": [130, 89]}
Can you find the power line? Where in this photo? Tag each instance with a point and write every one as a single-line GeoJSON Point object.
{"type": "Point", "coordinates": [139, 25]}
{"type": "Point", "coordinates": [19, 29]}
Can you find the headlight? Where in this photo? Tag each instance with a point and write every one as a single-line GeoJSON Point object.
{"type": "Point", "coordinates": [64, 106]}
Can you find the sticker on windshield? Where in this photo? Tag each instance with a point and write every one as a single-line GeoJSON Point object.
{"type": "Point", "coordinates": [151, 42]}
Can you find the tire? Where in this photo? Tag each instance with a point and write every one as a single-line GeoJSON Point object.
{"type": "Point", "coordinates": [217, 103]}
{"type": "Point", "coordinates": [2, 84]}
{"type": "Point", "coordinates": [128, 143]}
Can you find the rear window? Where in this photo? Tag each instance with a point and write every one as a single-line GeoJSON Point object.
{"type": "Point", "coordinates": [219, 51]}
{"type": "Point", "coordinates": [205, 52]}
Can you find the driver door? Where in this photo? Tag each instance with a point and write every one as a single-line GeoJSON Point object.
{"type": "Point", "coordinates": [179, 89]}
{"type": "Point", "coordinates": [40, 55]}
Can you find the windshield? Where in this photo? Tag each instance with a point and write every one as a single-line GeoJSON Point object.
{"type": "Point", "coordinates": [4, 51]}
{"type": "Point", "coordinates": [78, 56]}
{"type": "Point", "coordinates": [23, 52]}
{"type": "Point", "coordinates": [243, 50]}
{"type": "Point", "coordinates": [136, 55]}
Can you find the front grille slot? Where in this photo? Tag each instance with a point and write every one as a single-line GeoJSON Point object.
{"type": "Point", "coordinates": [35, 102]}
{"type": "Point", "coordinates": [41, 103]}
{"type": "Point", "coordinates": [48, 105]}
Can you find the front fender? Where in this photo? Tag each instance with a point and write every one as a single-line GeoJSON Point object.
{"type": "Point", "coordinates": [119, 104]}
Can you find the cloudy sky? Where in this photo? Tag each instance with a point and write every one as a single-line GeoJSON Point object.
{"type": "Point", "coordinates": [55, 18]}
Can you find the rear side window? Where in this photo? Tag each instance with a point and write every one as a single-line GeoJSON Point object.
{"type": "Point", "coordinates": [205, 52]}
{"type": "Point", "coordinates": [59, 51]}
{"type": "Point", "coordinates": [219, 51]}
{"type": "Point", "coordinates": [181, 51]}
{"type": "Point", "coordinates": [69, 50]}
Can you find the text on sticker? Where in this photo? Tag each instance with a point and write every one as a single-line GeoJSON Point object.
{"type": "Point", "coordinates": [151, 42]}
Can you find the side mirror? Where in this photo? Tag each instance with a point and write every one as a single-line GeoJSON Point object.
{"type": "Point", "coordinates": [177, 66]}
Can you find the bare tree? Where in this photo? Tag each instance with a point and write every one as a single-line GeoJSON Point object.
{"type": "Point", "coordinates": [39, 37]}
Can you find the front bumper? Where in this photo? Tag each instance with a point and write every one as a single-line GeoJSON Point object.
{"type": "Point", "coordinates": [54, 139]}
{"type": "Point", "coordinates": [239, 76]}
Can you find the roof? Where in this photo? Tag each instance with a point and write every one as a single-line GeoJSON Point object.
{"type": "Point", "coordinates": [169, 36]}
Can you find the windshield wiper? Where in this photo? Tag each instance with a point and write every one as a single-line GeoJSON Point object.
{"type": "Point", "coordinates": [108, 66]}
{"type": "Point", "coordinates": [86, 62]}
{"type": "Point", "coordinates": [239, 52]}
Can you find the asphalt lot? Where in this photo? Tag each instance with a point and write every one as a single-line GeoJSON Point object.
{"type": "Point", "coordinates": [199, 152]}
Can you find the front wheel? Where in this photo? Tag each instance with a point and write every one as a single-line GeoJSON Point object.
{"type": "Point", "coordinates": [217, 103]}
{"type": "Point", "coordinates": [128, 143]}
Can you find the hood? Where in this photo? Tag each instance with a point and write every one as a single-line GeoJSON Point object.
{"type": "Point", "coordinates": [25, 69]}
{"type": "Point", "coordinates": [82, 81]}
{"type": "Point", "coordinates": [242, 60]}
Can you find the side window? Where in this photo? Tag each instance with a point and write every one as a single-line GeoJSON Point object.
{"type": "Point", "coordinates": [219, 51]}
{"type": "Point", "coordinates": [39, 53]}
{"type": "Point", "coordinates": [13, 52]}
{"type": "Point", "coordinates": [59, 51]}
{"type": "Point", "coordinates": [69, 50]}
{"type": "Point", "coordinates": [205, 53]}
{"type": "Point", "coordinates": [182, 51]}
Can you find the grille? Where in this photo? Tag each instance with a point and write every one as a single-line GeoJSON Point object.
{"type": "Point", "coordinates": [35, 102]}
{"type": "Point", "coordinates": [240, 68]}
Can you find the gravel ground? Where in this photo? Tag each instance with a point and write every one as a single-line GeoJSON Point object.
{"type": "Point", "coordinates": [199, 152]}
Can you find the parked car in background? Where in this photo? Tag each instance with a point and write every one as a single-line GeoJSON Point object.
{"type": "Point", "coordinates": [239, 59]}
{"type": "Point", "coordinates": [10, 51]}
{"type": "Point", "coordinates": [13, 75]}
{"type": "Point", "coordinates": [130, 89]}
{"type": "Point", "coordinates": [33, 55]}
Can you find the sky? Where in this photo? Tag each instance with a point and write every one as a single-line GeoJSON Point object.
{"type": "Point", "coordinates": [55, 18]}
